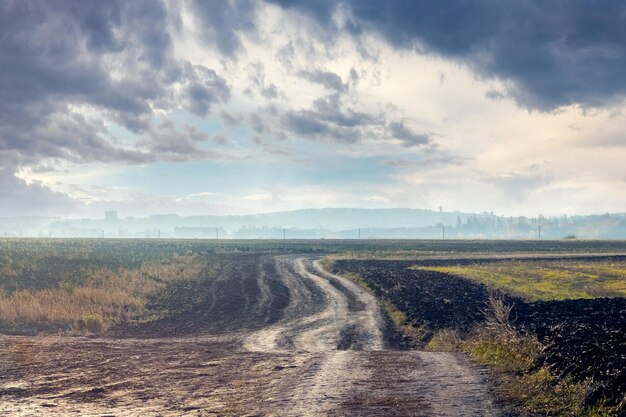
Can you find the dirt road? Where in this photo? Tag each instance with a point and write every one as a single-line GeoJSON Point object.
{"type": "Point", "coordinates": [276, 336]}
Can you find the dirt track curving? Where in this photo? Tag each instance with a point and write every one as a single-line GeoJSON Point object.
{"type": "Point", "coordinates": [275, 335]}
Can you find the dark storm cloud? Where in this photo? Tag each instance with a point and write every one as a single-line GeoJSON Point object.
{"type": "Point", "coordinates": [45, 55]}
{"type": "Point", "coordinates": [330, 119]}
{"type": "Point", "coordinates": [554, 52]}
{"type": "Point", "coordinates": [258, 124]}
{"type": "Point", "coordinates": [433, 158]}
{"type": "Point", "coordinates": [333, 110]}
{"type": "Point", "coordinates": [407, 136]}
{"type": "Point", "coordinates": [20, 198]}
{"type": "Point", "coordinates": [47, 67]}
{"type": "Point", "coordinates": [495, 95]}
{"type": "Point", "coordinates": [327, 79]}
{"type": "Point", "coordinates": [116, 57]}
{"type": "Point", "coordinates": [177, 144]}
{"type": "Point", "coordinates": [69, 68]}
{"type": "Point", "coordinates": [230, 120]}
{"type": "Point", "coordinates": [270, 92]}
{"type": "Point", "coordinates": [221, 21]}
{"type": "Point", "coordinates": [205, 89]}
{"type": "Point", "coordinates": [60, 134]}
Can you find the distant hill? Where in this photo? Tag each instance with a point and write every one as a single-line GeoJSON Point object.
{"type": "Point", "coordinates": [327, 223]}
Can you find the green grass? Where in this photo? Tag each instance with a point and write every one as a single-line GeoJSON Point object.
{"type": "Point", "coordinates": [547, 280]}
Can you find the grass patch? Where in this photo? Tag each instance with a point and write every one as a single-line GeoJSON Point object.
{"type": "Point", "coordinates": [512, 357]}
{"type": "Point", "coordinates": [99, 298]}
{"type": "Point", "coordinates": [446, 340]}
{"type": "Point", "coordinates": [547, 280]}
{"type": "Point", "coordinates": [537, 391]}
{"type": "Point", "coordinates": [417, 334]}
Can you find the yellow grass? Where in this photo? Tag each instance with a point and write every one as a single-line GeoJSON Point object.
{"type": "Point", "coordinates": [111, 295]}
{"type": "Point", "coordinates": [49, 306]}
{"type": "Point", "coordinates": [547, 280]}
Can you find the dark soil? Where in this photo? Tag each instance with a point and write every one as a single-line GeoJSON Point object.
{"type": "Point", "coordinates": [583, 339]}
{"type": "Point", "coordinates": [217, 302]}
{"type": "Point", "coordinates": [432, 299]}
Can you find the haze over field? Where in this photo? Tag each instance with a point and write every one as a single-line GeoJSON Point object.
{"type": "Point", "coordinates": [350, 223]}
{"type": "Point", "coordinates": [236, 107]}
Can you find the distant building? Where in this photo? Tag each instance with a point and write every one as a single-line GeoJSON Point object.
{"type": "Point", "coordinates": [196, 232]}
{"type": "Point", "coordinates": [110, 215]}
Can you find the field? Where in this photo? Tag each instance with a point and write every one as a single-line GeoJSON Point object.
{"type": "Point", "coordinates": [89, 285]}
{"type": "Point", "coordinates": [548, 280]}
{"type": "Point", "coordinates": [198, 327]}
{"type": "Point", "coordinates": [557, 335]}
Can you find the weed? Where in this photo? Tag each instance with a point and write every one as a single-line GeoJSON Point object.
{"type": "Point", "coordinates": [498, 344]}
{"type": "Point", "coordinates": [91, 322]}
{"type": "Point", "coordinates": [446, 340]}
{"type": "Point", "coordinates": [67, 286]}
{"type": "Point", "coordinates": [513, 355]}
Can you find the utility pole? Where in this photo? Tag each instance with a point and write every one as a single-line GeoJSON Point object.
{"type": "Point", "coordinates": [359, 233]}
{"type": "Point", "coordinates": [539, 232]}
{"type": "Point", "coordinates": [284, 233]}
{"type": "Point", "coordinates": [158, 233]}
{"type": "Point", "coordinates": [443, 231]}
{"type": "Point", "coordinates": [217, 233]}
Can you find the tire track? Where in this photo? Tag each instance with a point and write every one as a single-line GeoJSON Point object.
{"type": "Point", "coordinates": [335, 315]}
{"type": "Point", "coordinates": [276, 336]}
{"type": "Point", "coordinates": [344, 365]}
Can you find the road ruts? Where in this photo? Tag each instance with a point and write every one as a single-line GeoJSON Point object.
{"type": "Point", "coordinates": [276, 335]}
{"type": "Point", "coordinates": [347, 367]}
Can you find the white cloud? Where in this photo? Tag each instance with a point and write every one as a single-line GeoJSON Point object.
{"type": "Point", "coordinates": [203, 195]}
{"type": "Point", "coordinates": [377, 199]}
{"type": "Point", "coordinates": [258, 197]}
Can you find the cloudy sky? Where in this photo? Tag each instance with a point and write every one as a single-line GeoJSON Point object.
{"type": "Point", "coordinates": [240, 106]}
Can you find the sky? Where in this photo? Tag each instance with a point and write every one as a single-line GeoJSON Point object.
{"type": "Point", "coordinates": [245, 106]}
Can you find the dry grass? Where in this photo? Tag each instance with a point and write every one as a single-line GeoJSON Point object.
{"type": "Point", "coordinates": [513, 356]}
{"type": "Point", "coordinates": [50, 306]}
{"type": "Point", "coordinates": [104, 296]}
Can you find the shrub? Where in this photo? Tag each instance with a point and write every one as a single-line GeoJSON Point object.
{"type": "Point", "coordinates": [498, 344]}
{"type": "Point", "coordinates": [91, 322]}
{"type": "Point", "coordinates": [67, 286]}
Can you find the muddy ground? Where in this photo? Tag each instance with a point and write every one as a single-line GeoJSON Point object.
{"type": "Point", "coordinates": [274, 335]}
